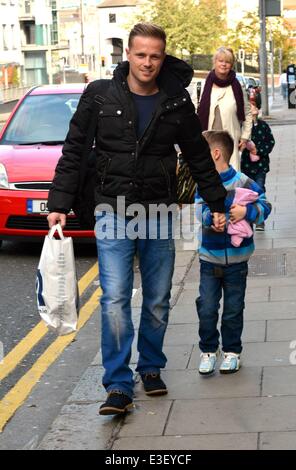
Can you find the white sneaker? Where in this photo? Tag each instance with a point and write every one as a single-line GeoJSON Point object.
{"type": "Point", "coordinates": [230, 363]}
{"type": "Point", "coordinates": [207, 363]}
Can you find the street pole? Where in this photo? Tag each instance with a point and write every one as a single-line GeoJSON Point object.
{"type": "Point", "coordinates": [243, 67]}
{"type": "Point", "coordinates": [241, 55]}
{"type": "Point", "coordinates": [280, 60]}
{"type": "Point", "coordinates": [272, 67]}
{"type": "Point", "coordinates": [82, 32]}
{"type": "Point", "coordinates": [100, 52]}
{"type": "Point", "coordinates": [49, 70]}
{"type": "Point", "coordinates": [263, 58]}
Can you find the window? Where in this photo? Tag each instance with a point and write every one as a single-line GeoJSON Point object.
{"type": "Point", "coordinates": [112, 18]}
{"type": "Point", "coordinates": [29, 31]}
{"type": "Point", "coordinates": [4, 37]}
{"type": "Point", "coordinates": [13, 38]}
{"type": "Point", "coordinates": [27, 7]}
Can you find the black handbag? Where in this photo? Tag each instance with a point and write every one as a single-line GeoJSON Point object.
{"type": "Point", "coordinates": [186, 186]}
{"type": "Point", "coordinates": [84, 203]}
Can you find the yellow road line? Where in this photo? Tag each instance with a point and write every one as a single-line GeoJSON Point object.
{"type": "Point", "coordinates": [20, 392]}
{"type": "Point", "coordinates": [88, 278]}
{"type": "Point", "coordinates": [17, 354]}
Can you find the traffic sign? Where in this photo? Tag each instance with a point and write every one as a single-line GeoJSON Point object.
{"type": "Point", "coordinates": [291, 80]}
{"type": "Point", "coordinates": [273, 8]}
{"type": "Point", "coordinates": [241, 54]}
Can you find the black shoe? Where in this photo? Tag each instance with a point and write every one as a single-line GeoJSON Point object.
{"type": "Point", "coordinates": [117, 403]}
{"type": "Point", "coordinates": [153, 384]}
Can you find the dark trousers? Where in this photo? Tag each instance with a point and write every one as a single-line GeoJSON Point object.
{"type": "Point", "coordinates": [214, 279]}
{"type": "Point", "coordinates": [260, 179]}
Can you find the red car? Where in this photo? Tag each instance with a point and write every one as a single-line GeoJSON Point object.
{"type": "Point", "coordinates": [30, 146]}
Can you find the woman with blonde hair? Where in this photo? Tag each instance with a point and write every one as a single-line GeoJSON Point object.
{"type": "Point", "coordinates": [224, 104]}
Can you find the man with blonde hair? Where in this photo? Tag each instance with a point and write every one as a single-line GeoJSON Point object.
{"type": "Point", "coordinates": [146, 110]}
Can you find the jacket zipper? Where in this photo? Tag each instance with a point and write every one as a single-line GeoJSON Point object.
{"type": "Point", "coordinates": [138, 141]}
{"type": "Point", "coordinates": [167, 177]}
{"type": "Point", "coordinates": [147, 127]}
{"type": "Point", "coordinates": [155, 115]}
{"type": "Point", "coordinates": [105, 173]}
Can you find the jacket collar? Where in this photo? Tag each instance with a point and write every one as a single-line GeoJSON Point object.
{"type": "Point", "coordinates": [228, 174]}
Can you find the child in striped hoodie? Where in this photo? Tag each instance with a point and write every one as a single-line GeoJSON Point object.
{"type": "Point", "coordinates": [224, 266]}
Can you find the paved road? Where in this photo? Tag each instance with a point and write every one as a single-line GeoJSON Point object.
{"type": "Point", "coordinates": [20, 322]}
{"type": "Point", "coordinates": [18, 312]}
{"type": "Point", "coordinates": [267, 346]}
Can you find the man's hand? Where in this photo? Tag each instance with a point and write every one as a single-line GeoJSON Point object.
{"type": "Point", "coordinates": [237, 213]}
{"type": "Point", "coordinates": [56, 218]}
{"type": "Point", "coordinates": [219, 221]}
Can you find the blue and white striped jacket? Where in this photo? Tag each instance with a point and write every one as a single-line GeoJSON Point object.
{"type": "Point", "coordinates": [216, 247]}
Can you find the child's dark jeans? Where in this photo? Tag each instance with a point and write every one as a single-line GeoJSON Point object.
{"type": "Point", "coordinates": [214, 279]}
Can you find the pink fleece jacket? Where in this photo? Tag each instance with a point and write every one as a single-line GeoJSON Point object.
{"type": "Point", "coordinates": [241, 229]}
{"type": "Point", "coordinates": [252, 149]}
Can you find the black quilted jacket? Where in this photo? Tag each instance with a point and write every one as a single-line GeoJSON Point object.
{"type": "Point", "coordinates": [141, 170]}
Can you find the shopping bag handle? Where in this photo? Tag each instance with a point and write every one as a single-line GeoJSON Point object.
{"type": "Point", "coordinates": [54, 229]}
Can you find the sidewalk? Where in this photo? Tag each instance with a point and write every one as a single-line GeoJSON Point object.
{"type": "Point", "coordinates": [253, 409]}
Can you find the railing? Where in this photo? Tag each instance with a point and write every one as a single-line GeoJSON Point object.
{"type": "Point", "coordinates": [12, 93]}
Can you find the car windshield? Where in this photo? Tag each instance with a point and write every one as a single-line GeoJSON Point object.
{"type": "Point", "coordinates": [252, 82]}
{"type": "Point", "coordinates": [241, 80]}
{"type": "Point", "coordinates": [41, 119]}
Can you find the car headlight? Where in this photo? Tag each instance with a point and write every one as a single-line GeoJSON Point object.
{"type": "Point", "coordinates": [3, 177]}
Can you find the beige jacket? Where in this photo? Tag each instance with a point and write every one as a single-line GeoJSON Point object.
{"type": "Point", "coordinates": [224, 98]}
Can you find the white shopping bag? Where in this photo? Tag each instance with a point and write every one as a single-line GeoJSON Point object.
{"type": "Point", "coordinates": [56, 284]}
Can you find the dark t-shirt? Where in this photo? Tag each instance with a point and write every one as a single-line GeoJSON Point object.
{"type": "Point", "coordinates": [145, 105]}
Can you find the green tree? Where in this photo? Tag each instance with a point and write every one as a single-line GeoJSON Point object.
{"type": "Point", "coordinates": [15, 80]}
{"type": "Point", "coordinates": [246, 36]}
{"type": "Point", "coordinates": [210, 25]}
{"type": "Point", "coordinates": [191, 26]}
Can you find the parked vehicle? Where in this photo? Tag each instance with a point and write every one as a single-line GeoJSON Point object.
{"type": "Point", "coordinates": [254, 91]}
{"type": "Point", "coordinates": [251, 82]}
{"type": "Point", "coordinates": [110, 70]}
{"type": "Point", "coordinates": [252, 87]}
{"type": "Point", "coordinates": [30, 146]}
{"type": "Point", "coordinates": [242, 80]}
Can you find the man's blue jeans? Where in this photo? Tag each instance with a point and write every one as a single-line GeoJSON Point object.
{"type": "Point", "coordinates": [214, 279]}
{"type": "Point", "coordinates": [116, 259]}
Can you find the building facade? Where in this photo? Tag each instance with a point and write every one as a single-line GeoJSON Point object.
{"type": "Point", "coordinates": [115, 17]}
{"type": "Point", "coordinates": [11, 59]}
{"type": "Point", "coordinates": [79, 32]}
{"type": "Point", "coordinates": [40, 40]}
{"type": "Point", "coordinates": [289, 13]}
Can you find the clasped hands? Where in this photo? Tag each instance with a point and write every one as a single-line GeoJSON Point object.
{"type": "Point", "coordinates": [236, 213]}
